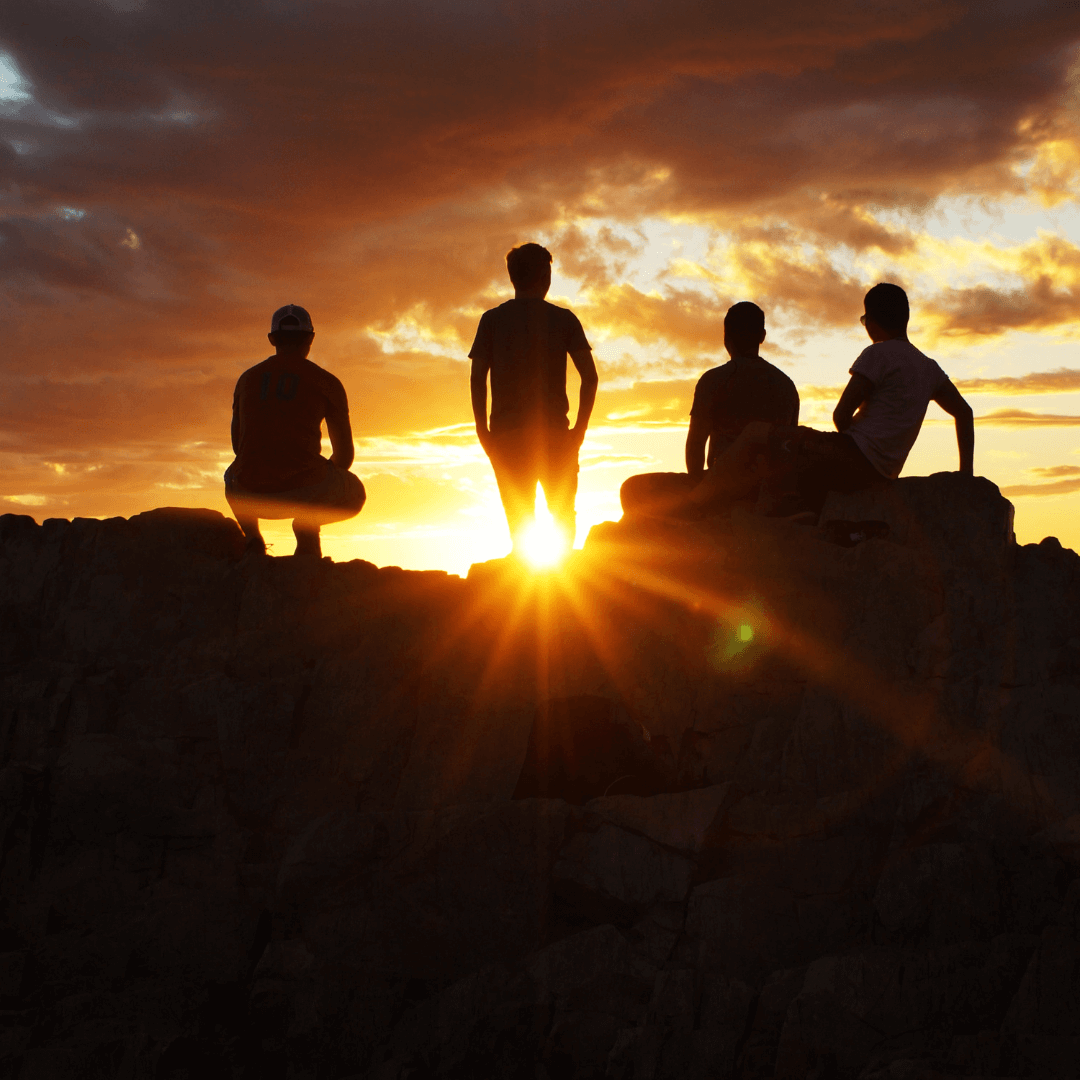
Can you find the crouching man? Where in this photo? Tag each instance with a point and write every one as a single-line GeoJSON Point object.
{"type": "Point", "coordinates": [279, 472]}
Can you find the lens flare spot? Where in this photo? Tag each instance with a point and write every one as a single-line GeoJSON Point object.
{"type": "Point", "coordinates": [740, 637]}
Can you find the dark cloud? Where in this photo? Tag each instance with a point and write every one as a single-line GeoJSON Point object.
{"type": "Point", "coordinates": [983, 310]}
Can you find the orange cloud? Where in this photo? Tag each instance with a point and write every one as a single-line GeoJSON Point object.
{"type": "Point", "coordinates": [1021, 418]}
{"type": "Point", "coordinates": [1058, 487]}
{"type": "Point", "coordinates": [1060, 381]}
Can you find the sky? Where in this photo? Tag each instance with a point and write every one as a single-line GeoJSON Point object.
{"type": "Point", "coordinates": [172, 171]}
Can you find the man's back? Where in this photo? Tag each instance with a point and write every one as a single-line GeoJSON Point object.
{"type": "Point", "coordinates": [524, 343]}
{"type": "Point", "coordinates": [278, 409]}
{"type": "Point", "coordinates": [904, 381]}
{"type": "Point", "coordinates": [746, 388]}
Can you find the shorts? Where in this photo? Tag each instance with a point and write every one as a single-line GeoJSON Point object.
{"type": "Point", "coordinates": [810, 463]}
{"type": "Point", "coordinates": [337, 497]}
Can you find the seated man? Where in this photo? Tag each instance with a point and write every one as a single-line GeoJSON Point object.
{"type": "Point", "coordinates": [726, 399]}
{"type": "Point", "coordinates": [877, 418]}
{"type": "Point", "coordinates": [278, 410]}
{"type": "Point", "coordinates": [523, 344]}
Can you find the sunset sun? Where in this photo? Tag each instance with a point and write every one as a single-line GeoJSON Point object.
{"type": "Point", "coordinates": [543, 544]}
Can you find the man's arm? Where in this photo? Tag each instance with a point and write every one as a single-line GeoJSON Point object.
{"type": "Point", "coordinates": [234, 430]}
{"type": "Point", "coordinates": [951, 400]}
{"type": "Point", "coordinates": [586, 368]}
{"type": "Point", "coordinates": [340, 431]}
{"type": "Point", "coordinates": [478, 386]}
{"type": "Point", "coordinates": [696, 438]}
{"type": "Point", "coordinates": [855, 393]}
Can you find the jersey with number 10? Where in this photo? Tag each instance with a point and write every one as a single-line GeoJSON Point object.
{"type": "Point", "coordinates": [278, 410]}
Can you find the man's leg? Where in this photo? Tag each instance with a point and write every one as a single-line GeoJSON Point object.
{"type": "Point", "coordinates": [736, 472]}
{"type": "Point", "coordinates": [307, 538]}
{"type": "Point", "coordinates": [654, 494]}
{"type": "Point", "coordinates": [513, 462]}
{"type": "Point", "coordinates": [248, 521]}
{"type": "Point", "coordinates": [254, 541]}
{"type": "Point", "coordinates": [826, 461]}
{"type": "Point", "coordinates": [559, 480]}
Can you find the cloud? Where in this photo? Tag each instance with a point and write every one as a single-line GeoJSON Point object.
{"type": "Point", "coordinates": [1058, 470]}
{"type": "Point", "coordinates": [1059, 381]}
{"type": "Point", "coordinates": [686, 318]}
{"type": "Point", "coordinates": [1058, 487]}
{"type": "Point", "coordinates": [1041, 288]}
{"type": "Point", "coordinates": [1022, 418]}
{"type": "Point", "coordinates": [172, 173]}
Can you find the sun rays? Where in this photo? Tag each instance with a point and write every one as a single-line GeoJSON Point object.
{"type": "Point", "coordinates": [728, 605]}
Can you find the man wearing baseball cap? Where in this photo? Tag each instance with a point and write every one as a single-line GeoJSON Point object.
{"type": "Point", "coordinates": [279, 472]}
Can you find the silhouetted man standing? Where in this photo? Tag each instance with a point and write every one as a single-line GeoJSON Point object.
{"type": "Point", "coordinates": [279, 472]}
{"type": "Point", "coordinates": [726, 399]}
{"type": "Point", "coordinates": [523, 344]}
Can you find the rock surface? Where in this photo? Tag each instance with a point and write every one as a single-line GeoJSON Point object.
{"type": "Point", "coordinates": [720, 800]}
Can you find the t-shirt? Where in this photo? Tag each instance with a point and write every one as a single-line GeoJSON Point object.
{"type": "Point", "coordinates": [524, 344]}
{"type": "Point", "coordinates": [744, 389]}
{"type": "Point", "coordinates": [887, 423]}
{"type": "Point", "coordinates": [278, 407]}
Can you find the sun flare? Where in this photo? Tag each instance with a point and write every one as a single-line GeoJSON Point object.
{"type": "Point", "coordinates": [542, 543]}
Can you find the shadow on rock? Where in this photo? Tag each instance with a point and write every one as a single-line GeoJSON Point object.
{"type": "Point", "coordinates": [584, 747]}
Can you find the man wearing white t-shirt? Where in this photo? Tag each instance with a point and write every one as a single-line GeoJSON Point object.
{"type": "Point", "coordinates": [877, 418]}
{"type": "Point", "coordinates": [883, 405]}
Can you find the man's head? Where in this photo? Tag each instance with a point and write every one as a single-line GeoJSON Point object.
{"type": "Point", "coordinates": [744, 329]}
{"type": "Point", "coordinates": [529, 267]}
{"type": "Point", "coordinates": [887, 312]}
{"type": "Point", "coordinates": [291, 332]}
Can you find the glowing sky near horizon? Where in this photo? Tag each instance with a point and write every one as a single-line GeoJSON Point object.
{"type": "Point", "coordinates": [169, 174]}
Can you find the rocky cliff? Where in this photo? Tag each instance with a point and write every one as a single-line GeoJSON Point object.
{"type": "Point", "coordinates": [738, 798]}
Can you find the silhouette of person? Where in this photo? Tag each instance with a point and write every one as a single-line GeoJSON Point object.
{"type": "Point", "coordinates": [523, 345]}
{"type": "Point", "coordinates": [878, 418]}
{"type": "Point", "coordinates": [279, 472]}
{"type": "Point", "coordinates": [726, 399]}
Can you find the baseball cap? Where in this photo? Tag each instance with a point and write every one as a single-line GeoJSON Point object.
{"type": "Point", "coordinates": [294, 317]}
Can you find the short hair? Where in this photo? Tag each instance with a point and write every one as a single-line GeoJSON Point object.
{"type": "Point", "coordinates": [887, 305]}
{"type": "Point", "coordinates": [526, 263]}
{"type": "Point", "coordinates": [744, 319]}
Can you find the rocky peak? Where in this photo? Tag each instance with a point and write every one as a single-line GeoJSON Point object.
{"type": "Point", "coordinates": [731, 798]}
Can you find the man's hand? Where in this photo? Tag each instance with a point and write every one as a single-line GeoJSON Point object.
{"type": "Point", "coordinates": [586, 368]}
{"type": "Point", "coordinates": [483, 435]}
